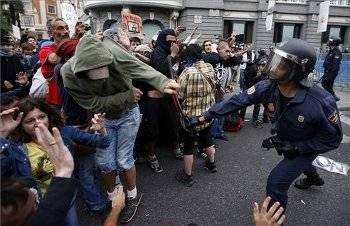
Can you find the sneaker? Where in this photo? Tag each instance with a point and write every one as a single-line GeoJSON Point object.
{"type": "Point", "coordinates": [307, 182]}
{"type": "Point", "coordinates": [154, 165]}
{"type": "Point", "coordinates": [211, 166]}
{"type": "Point", "coordinates": [179, 154]}
{"type": "Point", "coordinates": [130, 209]}
{"type": "Point", "coordinates": [184, 179]}
{"type": "Point", "coordinates": [258, 124]}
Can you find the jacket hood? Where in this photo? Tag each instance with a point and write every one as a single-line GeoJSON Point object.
{"type": "Point", "coordinates": [161, 40]}
{"type": "Point", "coordinates": [90, 54]}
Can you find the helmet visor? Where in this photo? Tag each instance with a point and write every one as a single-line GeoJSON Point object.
{"type": "Point", "coordinates": [279, 67]}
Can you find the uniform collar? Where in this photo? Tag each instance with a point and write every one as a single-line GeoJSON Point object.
{"type": "Point", "coordinates": [299, 96]}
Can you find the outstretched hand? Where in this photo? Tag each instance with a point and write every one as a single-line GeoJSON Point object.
{"type": "Point", "coordinates": [171, 87]}
{"type": "Point", "coordinates": [273, 217]}
{"type": "Point", "coordinates": [7, 122]}
{"type": "Point", "coordinates": [58, 153]}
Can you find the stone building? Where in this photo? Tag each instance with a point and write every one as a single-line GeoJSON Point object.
{"type": "Point", "coordinates": [218, 18]}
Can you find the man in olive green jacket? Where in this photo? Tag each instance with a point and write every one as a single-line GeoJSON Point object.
{"type": "Point", "coordinates": [99, 78]}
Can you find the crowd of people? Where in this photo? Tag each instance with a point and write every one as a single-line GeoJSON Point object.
{"type": "Point", "coordinates": [88, 107]}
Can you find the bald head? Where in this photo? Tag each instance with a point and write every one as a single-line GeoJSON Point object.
{"type": "Point", "coordinates": [224, 50]}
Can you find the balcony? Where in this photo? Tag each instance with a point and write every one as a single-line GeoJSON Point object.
{"type": "Point", "coordinates": [172, 4]}
{"type": "Point", "coordinates": [340, 2]}
{"type": "Point", "coordinates": [292, 1]}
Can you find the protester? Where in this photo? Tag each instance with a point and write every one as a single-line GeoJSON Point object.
{"type": "Point", "coordinates": [134, 42]}
{"type": "Point", "coordinates": [163, 58]}
{"type": "Point", "coordinates": [58, 30]}
{"type": "Point", "coordinates": [105, 86]}
{"type": "Point", "coordinates": [197, 95]}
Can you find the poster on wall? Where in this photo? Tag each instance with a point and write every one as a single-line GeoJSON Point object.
{"type": "Point", "coordinates": [69, 16]}
{"type": "Point", "coordinates": [132, 25]}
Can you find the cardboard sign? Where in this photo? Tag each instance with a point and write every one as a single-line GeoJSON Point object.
{"type": "Point", "coordinates": [69, 16]}
{"type": "Point", "coordinates": [132, 25]}
{"type": "Point", "coordinates": [16, 32]}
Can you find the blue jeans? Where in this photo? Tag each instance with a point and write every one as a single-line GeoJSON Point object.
{"type": "Point", "coordinates": [122, 134]}
{"type": "Point", "coordinates": [89, 184]}
{"type": "Point", "coordinates": [218, 127]}
{"type": "Point", "coordinates": [283, 175]}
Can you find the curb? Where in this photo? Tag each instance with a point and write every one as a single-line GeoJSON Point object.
{"type": "Point", "coordinates": [344, 109]}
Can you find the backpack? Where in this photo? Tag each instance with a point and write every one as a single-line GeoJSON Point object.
{"type": "Point", "coordinates": [40, 85]}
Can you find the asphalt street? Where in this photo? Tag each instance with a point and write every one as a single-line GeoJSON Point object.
{"type": "Point", "coordinates": [227, 197]}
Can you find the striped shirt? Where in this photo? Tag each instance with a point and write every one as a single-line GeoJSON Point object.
{"type": "Point", "coordinates": [197, 92]}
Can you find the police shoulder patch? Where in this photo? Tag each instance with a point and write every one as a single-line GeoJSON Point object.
{"type": "Point", "coordinates": [251, 90]}
{"type": "Point", "coordinates": [333, 117]}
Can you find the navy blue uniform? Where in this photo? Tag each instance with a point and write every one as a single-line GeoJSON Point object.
{"type": "Point", "coordinates": [309, 121]}
{"type": "Point", "coordinates": [331, 66]}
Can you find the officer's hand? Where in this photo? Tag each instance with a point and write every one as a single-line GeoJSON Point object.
{"type": "Point", "coordinates": [286, 148]}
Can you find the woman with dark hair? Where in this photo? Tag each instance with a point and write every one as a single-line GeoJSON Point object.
{"type": "Point", "coordinates": [196, 95]}
{"type": "Point", "coordinates": [36, 111]}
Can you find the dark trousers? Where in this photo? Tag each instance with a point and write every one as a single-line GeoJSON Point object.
{"type": "Point", "coordinates": [328, 81]}
{"type": "Point", "coordinates": [283, 175]}
{"type": "Point", "coordinates": [256, 112]}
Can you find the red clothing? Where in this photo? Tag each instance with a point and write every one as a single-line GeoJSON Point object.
{"type": "Point", "coordinates": [53, 96]}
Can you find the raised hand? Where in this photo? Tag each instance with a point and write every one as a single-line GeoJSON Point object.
{"type": "Point", "coordinates": [58, 153]}
{"type": "Point", "coordinates": [98, 123]}
{"type": "Point", "coordinates": [7, 122]}
{"type": "Point", "coordinates": [22, 78]}
{"type": "Point", "coordinates": [272, 217]}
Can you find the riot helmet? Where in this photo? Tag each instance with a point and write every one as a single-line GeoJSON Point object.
{"type": "Point", "coordinates": [292, 60]}
{"type": "Point", "coordinates": [334, 41]}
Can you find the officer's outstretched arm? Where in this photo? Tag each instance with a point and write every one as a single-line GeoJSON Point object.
{"type": "Point", "coordinates": [329, 132]}
{"type": "Point", "coordinates": [253, 95]}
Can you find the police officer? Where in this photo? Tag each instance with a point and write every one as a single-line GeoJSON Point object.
{"type": "Point", "coordinates": [331, 65]}
{"type": "Point", "coordinates": [305, 117]}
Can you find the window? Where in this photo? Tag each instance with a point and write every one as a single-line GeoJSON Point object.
{"type": "Point", "coordinates": [27, 21]}
{"type": "Point", "coordinates": [292, 1]}
{"type": "Point", "coordinates": [27, 5]}
{"type": "Point", "coordinates": [243, 29]}
{"type": "Point", "coordinates": [340, 2]}
{"type": "Point", "coordinates": [285, 31]}
{"type": "Point", "coordinates": [51, 9]}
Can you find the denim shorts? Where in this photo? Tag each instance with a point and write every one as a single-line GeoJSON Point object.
{"type": "Point", "coordinates": [122, 135]}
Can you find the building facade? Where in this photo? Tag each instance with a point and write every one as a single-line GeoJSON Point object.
{"type": "Point", "coordinates": [37, 12]}
{"type": "Point", "coordinates": [217, 19]}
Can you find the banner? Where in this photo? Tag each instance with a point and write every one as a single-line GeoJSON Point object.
{"type": "Point", "coordinates": [132, 25]}
{"type": "Point", "coordinates": [323, 16]}
{"type": "Point", "coordinates": [69, 16]}
{"type": "Point", "coordinates": [268, 22]}
{"type": "Point", "coordinates": [16, 32]}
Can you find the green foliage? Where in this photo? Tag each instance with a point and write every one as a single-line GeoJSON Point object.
{"type": "Point", "coordinates": [9, 16]}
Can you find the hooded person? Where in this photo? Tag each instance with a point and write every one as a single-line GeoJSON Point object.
{"type": "Point", "coordinates": [163, 58]}
{"type": "Point", "coordinates": [99, 78]}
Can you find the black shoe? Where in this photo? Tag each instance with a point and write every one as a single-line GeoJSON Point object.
{"type": "Point", "coordinates": [336, 98]}
{"type": "Point", "coordinates": [154, 165]}
{"type": "Point", "coordinates": [258, 124]}
{"type": "Point", "coordinates": [222, 137]}
{"type": "Point", "coordinates": [211, 166]}
{"type": "Point", "coordinates": [130, 209]}
{"type": "Point", "coordinates": [179, 155]}
{"type": "Point", "coordinates": [307, 182]}
{"type": "Point", "coordinates": [184, 179]}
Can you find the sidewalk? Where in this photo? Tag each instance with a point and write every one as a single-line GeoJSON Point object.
{"type": "Point", "coordinates": [344, 95]}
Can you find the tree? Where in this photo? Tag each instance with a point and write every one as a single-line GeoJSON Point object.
{"type": "Point", "coordinates": [10, 10]}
